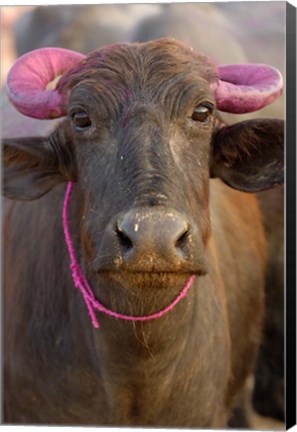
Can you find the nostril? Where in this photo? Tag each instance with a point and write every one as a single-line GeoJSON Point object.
{"type": "Point", "coordinates": [182, 239]}
{"type": "Point", "coordinates": [124, 240]}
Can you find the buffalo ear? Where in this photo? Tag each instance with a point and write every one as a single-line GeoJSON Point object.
{"type": "Point", "coordinates": [249, 156]}
{"type": "Point", "coordinates": [33, 166]}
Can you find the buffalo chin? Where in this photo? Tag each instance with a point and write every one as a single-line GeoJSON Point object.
{"type": "Point", "coordinates": [139, 293]}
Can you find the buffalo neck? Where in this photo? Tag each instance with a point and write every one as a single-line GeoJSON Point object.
{"type": "Point", "coordinates": [139, 361]}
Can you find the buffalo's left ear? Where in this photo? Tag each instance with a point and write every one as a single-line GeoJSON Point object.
{"type": "Point", "coordinates": [249, 156]}
{"type": "Point", "coordinates": [32, 166]}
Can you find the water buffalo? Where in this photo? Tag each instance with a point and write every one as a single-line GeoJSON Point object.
{"type": "Point", "coordinates": [161, 229]}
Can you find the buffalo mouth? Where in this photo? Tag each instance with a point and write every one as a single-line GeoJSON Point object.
{"type": "Point", "coordinates": [139, 281]}
{"type": "Point", "coordinates": [145, 289]}
{"type": "Point", "coordinates": [152, 269]}
{"type": "Point", "coordinates": [152, 276]}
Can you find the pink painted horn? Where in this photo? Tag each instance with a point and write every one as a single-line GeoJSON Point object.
{"type": "Point", "coordinates": [246, 88]}
{"type": "Point", "coordinates": [29, 76]}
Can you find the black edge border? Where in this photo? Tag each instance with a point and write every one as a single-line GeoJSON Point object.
{"type": "Point", "coordinates": [290, 350]}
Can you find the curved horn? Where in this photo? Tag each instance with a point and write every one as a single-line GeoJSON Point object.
{"type": "Point", "coordinates": [247, 88]}
{"type": "Point", "coordinates": [29, 76]}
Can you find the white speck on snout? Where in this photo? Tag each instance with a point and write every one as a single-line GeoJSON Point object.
{"type": "Point", "coordinates": [118, 261]}
{"type": "Point", "coordinates": [122, 157]}
{"type": "Point", "coordinates": [136, 226]}
{"type": "Point", "coordinates": [171, 215]}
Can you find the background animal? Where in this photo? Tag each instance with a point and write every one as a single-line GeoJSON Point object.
{"type": "Point", "coordinates": [69, 27]}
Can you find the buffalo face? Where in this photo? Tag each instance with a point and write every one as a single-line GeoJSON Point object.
{"type": "Point", "coordinates": [141, 140]}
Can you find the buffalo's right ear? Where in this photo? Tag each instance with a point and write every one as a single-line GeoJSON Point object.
{"type": "Point", "coordinates": [33, 166]}
{"type": "Point", "coordinates": [249, 156]}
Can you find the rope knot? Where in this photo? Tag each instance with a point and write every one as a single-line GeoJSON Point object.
{"type": "Point", "coordinates": [76, 273]}
{"type": "Point", "coordinates": [74, 269]}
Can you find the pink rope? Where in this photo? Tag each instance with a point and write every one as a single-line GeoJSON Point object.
{"type": "Point", "coordinates": [82, 284]}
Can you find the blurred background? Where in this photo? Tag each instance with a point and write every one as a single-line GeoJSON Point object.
{"type": "Point", "coordinates": [229, 32]}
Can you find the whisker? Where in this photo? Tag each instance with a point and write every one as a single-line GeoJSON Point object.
{"type": "Point", "coordinates": [102, 256]}
{"type": "Point", "coordinates": [95, 211]}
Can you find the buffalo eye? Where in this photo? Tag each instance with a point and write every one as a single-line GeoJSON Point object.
{"type": "Point", "coordinates": [202, 113]}
{"type": "Point", "coordinates": [81, 120]}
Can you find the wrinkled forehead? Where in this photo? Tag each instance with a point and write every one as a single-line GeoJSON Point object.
{"type": "Point", "coordinates": [135, 65]}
